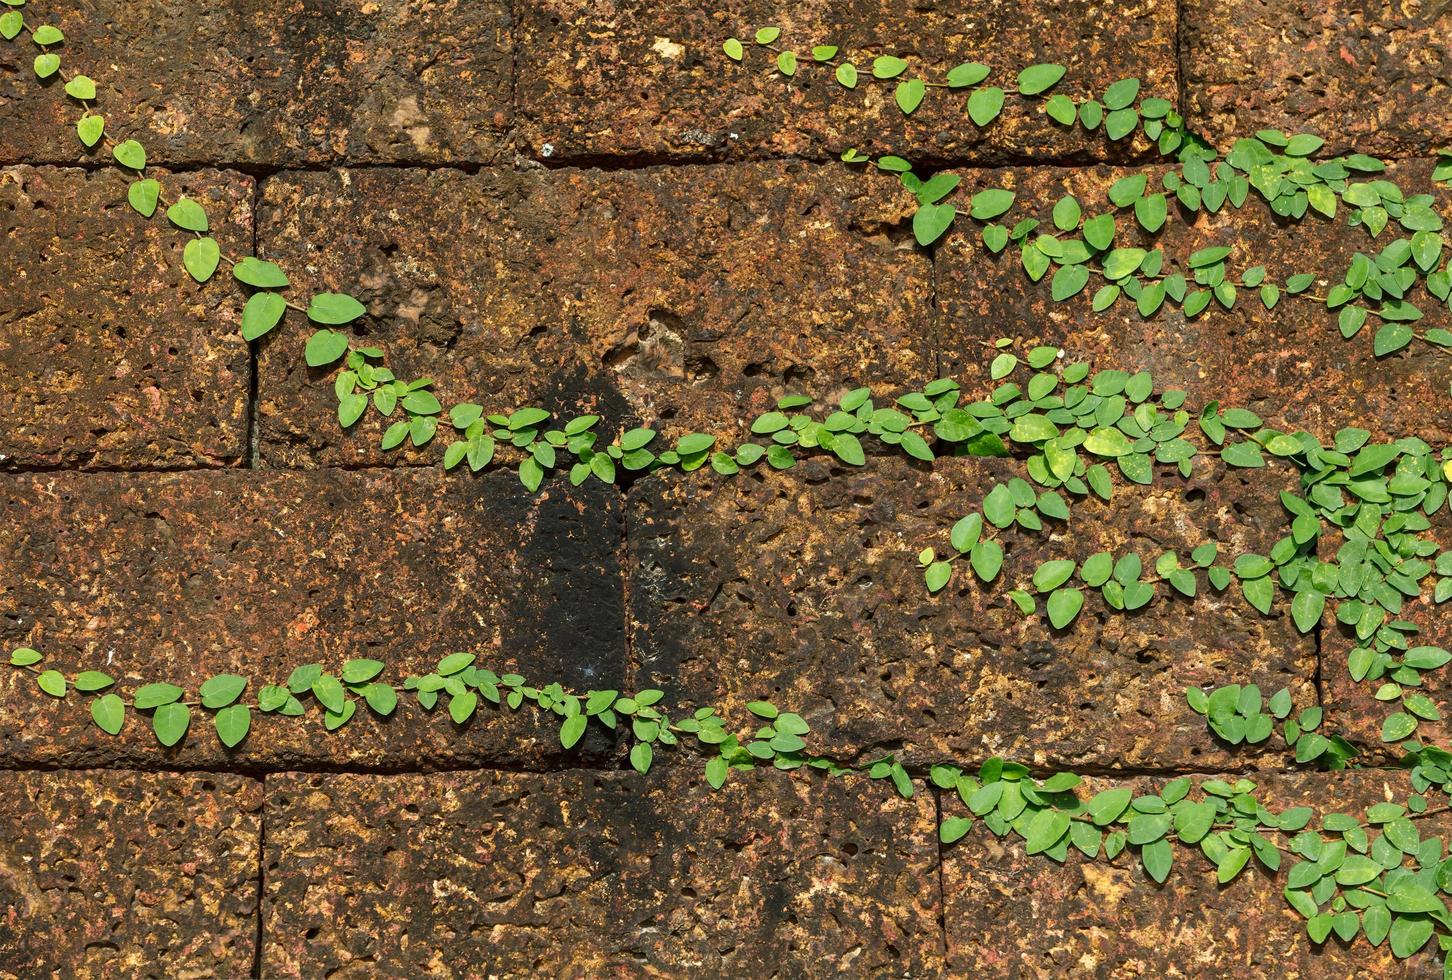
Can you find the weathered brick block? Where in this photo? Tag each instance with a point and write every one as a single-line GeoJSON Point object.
{"type": "Point", "coordinates": [690, 296]}
{"type": "Point", "coordinates": [128, 874]}
{"type": "Point", "coordinates": [1011, 915]}
{"type": "Point", "coordinates": [318, 81]}
{"type": "Point", "coordinates": [113, 356]}
{"type": "Point", "coordinates": [180, 576]}
{"type": "Point", "coordinates": [650, 81]}
{"type": "Point", "coordinates": [580, 874]}
{"type": "Point", "coordinates": [1291, 364]}
{"type": "Point", "coordinates": [1366, 77]}
{"type": "Point", "coordinates": [803, 588]}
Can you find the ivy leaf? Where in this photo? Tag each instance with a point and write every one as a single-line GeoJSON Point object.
{"type": "Point", "coordinates": [966, 74]}
{"type": "Point", "coordinates": [462, 706]}
{"type": "Point", "coordinates": [109, 713]}
{"type": "Point", "coordinates": [200, 258]}
{"type": "Point", "coordinates": [232, 724]}
{"type": "Point", "coordinates": [170, 723]}
{"type": "Point", "coordinates": [155, 695]}
{"type": "Point", "coordinates": [52, 682]}
{"type": "Point", "coordinates": [325, 347]}
{"type": "Point", "coordinates": [259, 273]}
{"type": "Point", "coordinates": [188, 215]}
{"type": "Point", "coordinates": [1306, 609]}
{"type": "Point", "coordinates": [991, 203]}
{"type": "Point", "coordinates": [93, 680]}
{"type": "Point", "coordinates": [1039, 78]}
{"type": "Point", "coordinates": [262, 312]}
{"type": "Point", "coordinates": [90, 129]}
{"type": "Point", "coordinates": [47, 34]}
{"type": "Point", "coordinates": [143, 196]}
{"type": "Point", "coordinates": [733, 50]}
{"type": "Point", "coordinates": [361, 669]}
{"type": "Point", "coordinates": [909, 95]}
{"type": "Point", "coordinates": [985, 104]}
{"type": "Point", "coordinates": [986, 559]}
{"type": "Point", "coordinates": [1157, 857]}
{"type": "Point", "coordinates": [334, 309]}
{"type": "Point", "coordinates": [573, 730]}
{"type": "Point", "coordinates": [937, 575]}
{"type": "Point", "coordinates": [329, 692]}
{"type": "Point", "coordinates": [887, 66]}
{"type": "Point", "coordinates": [1391, 338]}
{"type": "Point", "coordinates": [641, 756]}
{"type": "Point", "coordinates": [1064, 606]}
{"type": "Point", "coordinates": [24, 657]}
{"type": "Point", "coordinates": [46, 64]}
{"type": "Point", "coordinates": [11, 24]}
{"type": "Point", "coordinates": [132, 155]}
{"type": "Point", "coordinates": [931, 221]}
{"type": "Point", "coordinates": [382, 698]}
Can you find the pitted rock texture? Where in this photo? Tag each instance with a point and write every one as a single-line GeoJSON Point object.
{"type": "Point", "coordinates": [106, 874]}
{"type": "Point", "coordinates": [311, 82]}
{"type": "Point", "coordinates": [598, 874]}
{"type": "Point", "coordinates": [689, 297]}
{"type": "Point", "coordinates": [113, 356]}
{"type": "Point", "coordinates": [1290, 364]}
{"type": "Point", "coordinates": [1010, 915]}
{"type": "Point", "coordinates": [180, 576]}
{"type": "Point", "coordinates": [649, 81]}
{"type": "Point", "coordinates": [1367, 77]}
{"type": "Point", "coordinates": [802, 588]}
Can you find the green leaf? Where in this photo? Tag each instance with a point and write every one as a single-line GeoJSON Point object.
{"type": "Point", "coordinates": [329, 692]}
{"type": "Point", "coordinates": [716, 771]}
{"type": "Point", "coordinates": [953, 829]}
{"type": "Point", "coordinates": [259, 273]}
{"type": "Point", "coordinates": [573, 730]}
{"type": "Point", "coordinates": [143, 196]}
{"type": "Point", "coordinates": [462, 706]}
{"type": "Point", "coordinates": [52, 682]}
{"type": "Point", "coordinates": [155, 695]}
{"type": "Point", "coordinates": [786, 63]}
{"type": "Point", "coordinates": [931, 221]}
{"type": "Point", "coordinates": [232, 724]}
{"type": "Point", "coordinates": [909, 95]}
{"type": "Point", "coordinates": [989, 204]}
{"type": "Point", "coordinates": [188, 215]}
{"type": "Point", "coordinates": [1064, 606]}
{"type": "Point", "coordinates": [1039, 78]}
{"type": "Point", "coordinates": [966, 74]}
{"type": "Point", "coordinates": [985, 104]}
{"type": "Point", "coordinates": [90, 129]}
{"type": "Point", "coordinates": [109, 713]}
{"type": "Point", "coordinates": [170, 723]}
{"type": "Point", "coordinates": [937, 575]}
{"type": "Point", "coordinates": [455, 663]}
{"type": "Point", "coordinates": [1045, 830]}
{"type": "Point", "coordinates": [641, 756]}
{"type": "Point", "coordinates": [1306, 609]}
{"type": "Point", "coordinates": [766, 35]}
{"type": "Point", "coordinates": [1108, 805]}
{"type": "Point", "coordinates": [986, 559]}
{"type": "Point", "coordinates": [263, 312]}
{"type": "Point", "coordinates": [334, 309]}
{"type": "Point", "coordinates": [1052, 574]}
{"type": "Point", "coordinates": [1121, 94]}
{"type": "Point", "coordinates": [887, 66]}
{"type": "Point", "coordinates": [846, 75]}
{"type": "Point", "coordinates": [382, 698]}
{"type": "Point", "coordinates": [732, 47]}
{"type": "Point", "coordinates": [46, 64]}
{"type": "Point", "coordinates": [200, 257]}
{"type": "Point", "coordinates": [1391, 338]}
{"type": "Point", "coordinates": [24, 657]}
{"type": "Point", "coordinates": [92, 680]}
{"type": "Point", "coordinates": [132, 155]}
{"type": "Point", "coordinates": [1409, 933]}
{"type": "Point", "coordinates": [11, 24]}
{"type": "Point", "coordinates": [47, 34]}
{"type": "Point", "coordinates": [361, 669]}
{"type": "Point", "coordinates": [1158, 857]}
{"type": "Point", "coordinates": [324, 347]}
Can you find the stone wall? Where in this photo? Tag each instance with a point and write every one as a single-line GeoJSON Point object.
{"type": "Point", "coordinates": [578, 203]}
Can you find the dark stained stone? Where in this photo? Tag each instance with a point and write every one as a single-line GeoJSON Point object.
{"type": "Point", "coordinates": [313, 82]}
{"type": "Point", "coordinates": [1366, 77]}
{"type": "Point", "coordinates": [692, 297]}
{"type": "Point", "coordinates": [803, 588]}
{"type": "Point", "coordinates": [596, 874]}
{"type": "Point", "coordinates": [180, 576]}
{"type": "Point", "coordinates": [1011, 915]}
{"type": "Point", "coordinates": [113, 356]}
{"type": "Point", "coordinates": [110, 874]}
{"type": "Point", "coordinates": [649, 82]}
{"type": "Point", "coordinates": [1290, 365]}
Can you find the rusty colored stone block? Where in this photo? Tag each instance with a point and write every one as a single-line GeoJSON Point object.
{"type": "Point", "coordinates": [803, 588]}
{"type": "Point", "coordinates": [649, 82]}
{"type": "Point", "coordinates": [1366, 77]}
{"type": "Point", "coordinates": [1291, 364]}
{"type": "Point", "coordinates": [313, 82]}
{"type": "Point", "coordinates": [113, 356]}
{"type": "Point", "coordinates": [180, 576]}
{"type": "Point", "coordinates": [110, 874]}
{"type": "Point", "coordinates": [691, 297]}
{"type": "Point", "coordinates": [1011, 915]}
{"type": "Point", "coordinates": [598, 874]}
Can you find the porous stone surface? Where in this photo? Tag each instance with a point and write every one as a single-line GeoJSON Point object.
{"type": "Point", "coordinates": [1366, 77]}
{"type": "Point", "coordinates": [1289, 364]}
{"type": "Point", "coordinates": [113, 356]}
{"type": "Point", "coordinates": [690, 297]}
{"type": "Point", "coordinates": [106, 874]}
{"type": "Point", "coordinates": [313, 82]}
{"type": "Point", "coordinates": [177, 577]}
{"type": "Point", "coordinates": [598, 874]}
{"type": "Point", "coordinates": [649, 81]}
{"type": "Point", "coordinates": [802, 588]}
{"type": "Point", "coordinates": [1010, 915]}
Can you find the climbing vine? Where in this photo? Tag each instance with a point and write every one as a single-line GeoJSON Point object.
{"type": "Point", "coordinates": [1356, 544]}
